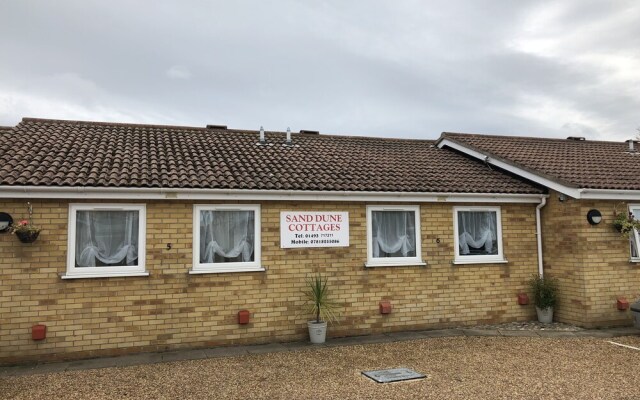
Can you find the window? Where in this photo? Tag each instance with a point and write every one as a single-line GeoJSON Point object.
{"type": "Point", "coordinates": [226, 238]}
{"type": "Point", "coordinates": [393, 234]}
{"type": "Point", "coordinates": [634, 239]}
{"type": "Point", "coordinates": [477, 235]}
{"type": "Point", "coordinates": [106, 240]}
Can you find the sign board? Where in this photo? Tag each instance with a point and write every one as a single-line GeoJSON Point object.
{"type": "Point", "coordinates": [314, 229]}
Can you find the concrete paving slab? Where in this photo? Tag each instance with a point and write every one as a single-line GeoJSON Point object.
{"type": "Point", "coordinates": [557, 334]}
{"type": "Point", "coordinates": [594, 334]}
{"type": "Point", "coordinates": [480, 332]}
{"type": "Point", "coordinates": [442, 333]}
{"type": "Point", "coordinates": [183, 355]}
{"type": "Point", "coordinates": [226, 351]}
{"type": "Point", "coordinates": [357, 340]}
{"type": "Point", "coordinates": [505, 332]}
{"type": "Point", "coordinates": [266, 348]}
{"type": "Point", "coordinates": [304, 345]}
{"type": "Point", "coordinates": [400, 336]}
{"type": "Point", "coordinates": [33, 369]}
{"type": "Point", "coordinates": [627, 331]}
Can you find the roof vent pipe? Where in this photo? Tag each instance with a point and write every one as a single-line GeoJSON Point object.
{"type": "Point", "coordinates": [631, 143]}
{"type": "Point", "coordinates": [288, 136]}
{"type": "Point", "coordinates": [262, 139]}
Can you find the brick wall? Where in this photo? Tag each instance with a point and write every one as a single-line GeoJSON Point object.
{"type": "Point", "coordinates": [171, 309]}
{"type": "Point", "coordinates": [590, 261]}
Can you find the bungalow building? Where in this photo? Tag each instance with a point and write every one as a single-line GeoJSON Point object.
{"type": "Point", "coordinates": [156, 237]}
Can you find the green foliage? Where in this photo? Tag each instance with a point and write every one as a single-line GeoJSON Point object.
{"type": "Point", "coordinates": [626, 223]}
{"type": "Point", "coordinates": [545, 291]}
{"type": "Point", "coordinates": [318, 303]}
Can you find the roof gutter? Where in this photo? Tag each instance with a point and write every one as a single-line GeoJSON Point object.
{"type": "Point", "coordinates": [43, 192]}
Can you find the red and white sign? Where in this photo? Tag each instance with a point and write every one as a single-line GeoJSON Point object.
{"type": "Point", "coordinates": [314, 229]}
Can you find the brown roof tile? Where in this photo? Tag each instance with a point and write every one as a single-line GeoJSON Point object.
{"type": "Point", "coordinates": [574, 163]}
{"type": "Point", "coordinates": [72, 153]}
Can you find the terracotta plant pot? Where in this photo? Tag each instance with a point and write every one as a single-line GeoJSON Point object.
{"type": "Point", "coordinates": [27, 236]}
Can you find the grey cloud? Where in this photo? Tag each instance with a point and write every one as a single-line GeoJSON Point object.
{"type": "Point", "coordinates": [382, 68]}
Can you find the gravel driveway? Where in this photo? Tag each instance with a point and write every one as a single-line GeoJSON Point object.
{"type": "Point", "coordinates": [457, 368]}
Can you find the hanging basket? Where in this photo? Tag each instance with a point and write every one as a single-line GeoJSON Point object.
{"type": "Point", "coordinates": [27, 236]}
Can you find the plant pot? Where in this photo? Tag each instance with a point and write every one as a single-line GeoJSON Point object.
{"type": "Point", "coordinates": [317, 331]}
{"type": "Point", "coordinates": [27, 236]}
{"type": "Point", "coordinates": [545, 316]}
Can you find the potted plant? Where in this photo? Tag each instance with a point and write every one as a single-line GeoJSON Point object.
{"type": "Point", "coordinates": [625, 223]}
{"type": "Point", "coordinates": [319, 305]}
{"type": "Point", "coordinates": [545, 296]}
{"type": "Point", "coordinates": [25, 230]}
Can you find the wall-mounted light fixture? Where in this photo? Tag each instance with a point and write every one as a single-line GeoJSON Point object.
{"type": "Point", "coordinates": [594, 217]}
{"type": "Point", "coordinates": [5, 222]}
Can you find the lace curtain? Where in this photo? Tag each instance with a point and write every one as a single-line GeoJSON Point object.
{"type": "Point", "coordinates": [633, 243]}
{"type": "Point", "coordinates": [226, 236]}
{"type": "Point", "coordinates": [106, 238]}
{"type": "Point", "coordinates": [394, 233]}
{"type": "Point", "coordinates": [477, 232]}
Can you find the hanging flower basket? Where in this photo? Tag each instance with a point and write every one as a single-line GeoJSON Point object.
{"type": "Point", "coordinates": [25, 231]}
{"type": "Point", "coordinates": [27, 236]}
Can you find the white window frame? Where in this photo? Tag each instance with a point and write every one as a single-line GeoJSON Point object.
{"type": "Point", "coordinates": [393, 261]}
{"type": "Point", "coordinates": [74, 272]}
{"type": "Point", "coordinates": [214, 268]}
{"type": "Point", "coordinates": [478, 259]}
{"type": "Point", "coordinates": [635, 237]}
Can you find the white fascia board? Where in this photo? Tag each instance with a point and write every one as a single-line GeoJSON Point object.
{"type": "Point", "coordinates": [569, 191]}
{"type": "Point", "coordinates": [40, 192]}
{"type": "Point", "coordinates": [609, 194]}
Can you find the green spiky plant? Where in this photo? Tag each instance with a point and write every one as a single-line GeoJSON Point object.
{"type": "Point", "coordinates": [318, 303]}
{"type": "Point", "coordinates": [545, 291]}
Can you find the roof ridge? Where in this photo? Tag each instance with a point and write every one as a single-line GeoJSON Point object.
{"type": "Point", "coordinates": [228, 130]}
{"type": "Point", "coordinates": [483, 135]}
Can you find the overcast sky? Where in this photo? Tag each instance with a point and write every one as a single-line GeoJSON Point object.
{"type": "Point", "coordinates": [375, 68]}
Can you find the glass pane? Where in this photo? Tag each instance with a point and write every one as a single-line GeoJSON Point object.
{"type": "Point", "coordinates": [477, 233]}
{"type": "Point", "coordinates": [106, 238]}
{"type": "Point", "coordinates": [227, 236]}
{"type": "Point", "coordinates": [394, 234]}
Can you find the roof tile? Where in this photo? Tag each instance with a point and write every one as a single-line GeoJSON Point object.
{"type": "Point", "coordinates": [72, 153]}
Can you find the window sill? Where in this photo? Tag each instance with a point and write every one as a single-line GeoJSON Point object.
{"type": "Point", "coordinates": [395, 264]}
{"type": "Point", "coordinates": [103, 275]}
{"type": "Point", "coordinates": [494, 261]}
{"type": "Point", "coordinates": [194, 271]}
{"type": "Point", "coordinates": [634, 260]}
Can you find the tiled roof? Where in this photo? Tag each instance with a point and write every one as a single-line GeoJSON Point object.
{"type": "Point", "coordinates": [574, 163]}
{"type": "Point", "coordinates": [71, 153]}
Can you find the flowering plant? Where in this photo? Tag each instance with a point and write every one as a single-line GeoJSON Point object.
{"type": "Point", "coordinates": [24, 226]}
{"type": "Point", "coordinates": [626, 223]}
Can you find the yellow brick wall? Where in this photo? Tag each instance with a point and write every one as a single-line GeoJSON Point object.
{"type": "Point", "coordinates": [590, 261]}
{"type": "Point", "coordinates": [171, 309]}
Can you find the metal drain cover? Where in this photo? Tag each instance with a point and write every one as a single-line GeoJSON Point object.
{"type": "Point", "coordinates": [393, 375]}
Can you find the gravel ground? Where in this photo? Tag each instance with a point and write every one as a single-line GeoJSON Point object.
{"type": "Point", "coordinates": [457, 368]}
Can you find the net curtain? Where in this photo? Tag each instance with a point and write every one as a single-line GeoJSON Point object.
{"type": "Point", "coordinates": [110, 237]}
{"type": "Point", "coordinates": [226, 234]}
{"type": "Point", "coordinates": [394, 233]}
{"type": "Point", "coordinates": [477, 229]}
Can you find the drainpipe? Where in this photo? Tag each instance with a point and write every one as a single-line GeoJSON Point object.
{"type": "Point", "coordinates": [539, 235]}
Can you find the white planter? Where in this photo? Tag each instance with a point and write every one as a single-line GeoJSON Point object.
{"type": "Point", "coordinates": [317, 331]}
{"type": "Point", "coordinates": [545, 316]}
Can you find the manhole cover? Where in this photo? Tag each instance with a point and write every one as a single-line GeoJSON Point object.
{"type": "Point", "coordinates": [393, 375]}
